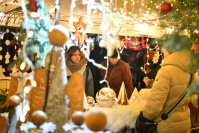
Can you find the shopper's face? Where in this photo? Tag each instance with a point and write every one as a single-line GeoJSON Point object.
{"type": "Point", "coordinates": [113, 61]}
{"type": "Point", "coordinates": [76, 57]}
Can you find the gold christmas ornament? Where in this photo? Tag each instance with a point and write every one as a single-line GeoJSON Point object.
{"type": "Point", "coordinates": [21, 96]}
{"type": "Point", "coordinates": [105, 97]}
{"type": "Point", "coordinates": [78, 118]}
{"type": "Point", "coordinates": [95, 120]}
{"type": "Point", "coordinates": [90, 100]}
{"type": "Point", "coordinates": [15, 100]}
{"type": "Point", "coordinates": [58, 35]}
{"type": "Point", "coordinates": [23, 67]}
{"type": "Point", "coordinates": [39, 117]}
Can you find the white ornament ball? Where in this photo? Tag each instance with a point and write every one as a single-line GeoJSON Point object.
{"type": "Point", "coordinates": [58, 35]}
{"type": "Point", "coordinates": [15, 100]}
{"type": "Point", "coordinates": [105, 97]}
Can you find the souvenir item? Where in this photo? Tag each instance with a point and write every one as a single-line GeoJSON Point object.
{"type": "Point", "coordinates": [105, 97]}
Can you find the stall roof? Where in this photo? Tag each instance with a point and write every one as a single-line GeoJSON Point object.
{"type": "Point", "coordinates": [141, 23]}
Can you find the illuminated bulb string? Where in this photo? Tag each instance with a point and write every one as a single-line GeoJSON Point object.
{"type": "Point", "coordinates": [25, 103]}
{"type": "Point", "coordinates": [91, 60]}
{"type": "Point", "coordinates": [85, 50]}
{"type": "Point", "coordinates": [23, 6]}
{"type": "Point", "coordinates": [106, 73]}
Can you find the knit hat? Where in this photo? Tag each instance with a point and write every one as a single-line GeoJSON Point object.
{"type": "Point", "coordinates": [177, 42]}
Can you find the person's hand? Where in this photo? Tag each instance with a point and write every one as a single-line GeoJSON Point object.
{"type": "Point", "coordinates": [146, 80]}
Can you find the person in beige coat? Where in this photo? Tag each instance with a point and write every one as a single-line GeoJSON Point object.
{"type": "Point", "coordinates": [170, 83]}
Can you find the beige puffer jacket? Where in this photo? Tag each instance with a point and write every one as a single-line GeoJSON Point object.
{"type": "Point", "coordinates": [170, 83]}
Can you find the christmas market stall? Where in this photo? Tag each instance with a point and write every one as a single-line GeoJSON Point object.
{"type": "Point", "coordinates": [37, 94]}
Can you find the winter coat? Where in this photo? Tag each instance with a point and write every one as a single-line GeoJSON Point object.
{"type": "Point", "coordinates": [117, 74]}
{"type": "Point", "coordinates": [88, 78]}
{"type": "Point", "coordinates": [170, 83]}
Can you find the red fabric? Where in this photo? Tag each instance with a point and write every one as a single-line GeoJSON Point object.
{"type": "Point", "coordinates": [33, 6]}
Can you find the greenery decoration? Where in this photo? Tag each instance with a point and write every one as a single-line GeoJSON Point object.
{"type": "Point", "coordinates": [182, 17]}
{"type": "Point", "coordinates": [39, 42]}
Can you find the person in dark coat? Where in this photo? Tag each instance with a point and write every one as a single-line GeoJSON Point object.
{"type": "Point", "coordinates": [97, 54]}
{"type": "Point", "coordinates": [118, 72]}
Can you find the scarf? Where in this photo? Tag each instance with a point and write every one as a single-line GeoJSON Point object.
{"type": "Point", "coordinates": [74, 67]}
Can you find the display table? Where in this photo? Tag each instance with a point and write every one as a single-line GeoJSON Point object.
{"type": "Point", "coordinates": [119, 117]}
{"type": "Point", "coordinates": [124, 116]}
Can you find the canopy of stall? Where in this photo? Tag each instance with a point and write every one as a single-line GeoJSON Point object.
{"type": "Point", "coordinates": [132, 15]}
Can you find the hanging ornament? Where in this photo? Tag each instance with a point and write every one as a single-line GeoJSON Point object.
{"type": "Point", "coordinates": [80, 30]}
{"type": "Point", "coordinates": [59, 35]}
{"type": "Point", "coordinates": [7, 30]}
{"type": "Point", "coordinates": [110, 33]}
{"type": "Point", "coordinates": [15, 57]}
{"type": "Point", "coordinates": [156, 57]}
{"type": "Point", "coordinates": [7, 42]}
{"type": "Point", "coordinates": [23, 67]}
{"type": "Point", "coordinates": [14, 100]}
{"type": "Point", "coordinates": [1, 71]}
{"type": "Point", "coordinates": [7, 58]}
{"type": "Point", "coordinates": [37, 56]}
{"type": "Point", "coordinates": [1, 48]}
{"type": "Point", "coordinates": [33, 6]}
{"type": "Point", "coordinates": [165, 8]}
{"type": "Point", "coordinates": [15, 1]}
{"type": "Point", "coordinates": [1, 57]}
{"type": "Point", "coordinates": [15, 70]}
{"type": "Point", "coordinates": [22, 42]}
{"type": "Point", "coordinates": [19, 51]}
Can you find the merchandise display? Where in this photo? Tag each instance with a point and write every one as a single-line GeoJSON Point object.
{"type": "Point", "coordinates": [37, 93]}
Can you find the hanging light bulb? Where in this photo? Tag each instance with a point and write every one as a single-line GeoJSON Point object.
{"type": "Point", "coordinates": [1, 14]}
{"type": "Point", "coordinates": [33, 83]}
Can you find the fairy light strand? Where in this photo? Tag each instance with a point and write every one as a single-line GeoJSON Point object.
{"type": "Point", "coordinates": [23, 6]}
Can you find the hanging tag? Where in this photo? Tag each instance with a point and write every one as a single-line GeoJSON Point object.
{"type": "Point", "coordinates": [1, 71]}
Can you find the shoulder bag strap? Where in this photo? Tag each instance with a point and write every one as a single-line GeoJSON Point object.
{"type": "Point", "coordinates": [166, 114]}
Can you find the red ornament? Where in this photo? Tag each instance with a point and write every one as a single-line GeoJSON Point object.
{"type": "Point", "coordinates": [33, 6]}
{"type": "Point", "coordinates": [165, 7]}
